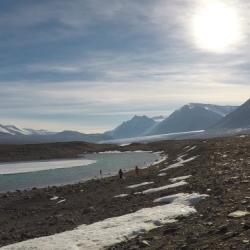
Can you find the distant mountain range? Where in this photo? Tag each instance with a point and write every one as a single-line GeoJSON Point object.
{"type": "Point", "coordinates": [12, 134]}
{"type": "Point", "coordinates": [191, 117]}
{"type": "Point", "coordinates": [213, 119]}
{"type": "Point", "coordinates": [13, 130]}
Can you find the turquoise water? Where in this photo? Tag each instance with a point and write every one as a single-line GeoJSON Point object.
{"type": "Point", "coordinates": [109, 163]}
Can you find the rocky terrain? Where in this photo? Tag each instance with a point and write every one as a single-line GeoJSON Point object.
{"type": "Point", "coordinates": [220, 169]}
{"type": "Point", "coordinates": [46, 151]}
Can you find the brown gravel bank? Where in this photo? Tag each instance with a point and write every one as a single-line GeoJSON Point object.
{"type": "Point", "coordinates": [222, 170]}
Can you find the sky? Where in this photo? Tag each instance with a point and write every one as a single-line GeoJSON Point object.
{"type": "Point", "coordinates": [88, 65]}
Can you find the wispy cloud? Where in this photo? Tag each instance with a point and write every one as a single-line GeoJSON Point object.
{"type": "Point", "coordinates": [81, 62]}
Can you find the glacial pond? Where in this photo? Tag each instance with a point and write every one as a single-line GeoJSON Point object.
{"type": "Point", "coordinates": [26, 175]}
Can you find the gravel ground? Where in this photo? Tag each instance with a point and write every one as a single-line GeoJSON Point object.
{"type": "Point", "coordinates": [222, 171]}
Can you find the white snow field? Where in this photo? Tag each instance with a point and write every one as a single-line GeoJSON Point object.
{"type": "Point", "coordinates": [54, 198]}
{"type": "Point", "coordinates": [162, 174]}
{"type": "Point", "coordinates": [180, 178]}
{"type": "Point", "coordinates": [121, 195]}
{"type": "Point", "coordinates": [154, 190]}
{"type": "Point", "coordinates": [140, 184]}
{"type": "Point", "coordinates": [180, 162]}
{"type": "Point", "coordinates": [25, 167]}
{"type": "Point", "coordinates": [164, 158]}
{"type": "Point", "coordinates": [182, 198]}
{"type": "Point", "coordinates": [113, 230]}
{"type": "Point", "coordinates": [192, 148]}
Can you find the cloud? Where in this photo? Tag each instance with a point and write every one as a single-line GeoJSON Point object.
{"type": "Point", "coordinates": [76, 61]}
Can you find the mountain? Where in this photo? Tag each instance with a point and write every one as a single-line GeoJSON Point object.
{"type": "Point", "coordinates": [191, 117]}
{"type": "Point", "coordinates": [239, 118]}
{"type": "Point", "coordinates": [38, 131]}
{"type": "Point", "coordinates": [13, 130]}
{"type": "Point", "coordinates": [132, 128]}
{"type": "Point", "coordinates": [10, 134]}
{"type": "Point", "coordinates": [159, 118]}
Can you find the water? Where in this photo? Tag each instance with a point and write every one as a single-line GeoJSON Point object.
{"type": "Point", "coordinates": [109, 163]}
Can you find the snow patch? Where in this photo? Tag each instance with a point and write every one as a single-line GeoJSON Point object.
{"type": "Point", "coordinates": [154, 190]}
{"type": "Point", "coordinates": [110, 152]}
{"type": "Point", "coordinates": [164, 158]}
{"type": "Point", "coordinates": [61, 201]}
{"type": "Point", "coordinates": [192, 148]}
{"type": "Point", "coordinates": [54, 198]}
{"type": "Point", "coordinates": [125, 144]}
{"type": "Point", "coordinates": [5, 131]}
{"type": "Point", "coordinates": [162, 174]}
{"type": "Point", "coordinates": [181, 178]}
{"type": "Point", "coordinates": [120, 195]}
{"type": "Point", "coordinates": [15, 130]}
{"type": "Point", "coordinates": [140, 184]}
{"type": "Point", "coordinates": [182, 198]}
{"type": "Point", "coordinates": [180, 162]}
{"type": "Point", "coordinates": [108, 232]}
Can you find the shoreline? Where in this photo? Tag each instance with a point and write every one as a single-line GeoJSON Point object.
{"type": "Point", "coordinates": [30, 214]}
{"type": "Point", "coordinates": [106, 174]}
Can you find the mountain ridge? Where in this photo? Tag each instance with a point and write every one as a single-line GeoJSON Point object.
{"type": "Point", "coordinates": [239, 118]}
{"type": "Point", "coordinates": [191, 117]}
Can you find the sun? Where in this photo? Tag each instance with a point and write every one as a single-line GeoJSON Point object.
{"type": "Point", "coordinates": [216, 26]}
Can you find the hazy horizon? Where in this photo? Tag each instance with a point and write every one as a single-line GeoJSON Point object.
{"type": "Point", "coordinates": [90, 65]}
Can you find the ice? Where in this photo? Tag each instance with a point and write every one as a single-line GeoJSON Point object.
{"type": "Point", "coordinates": [180, 162]}
{"type": "Point", "coordinates": [182, 198]}
{"type": "Point", "coordinates": [54, 198]}
{"type": "Point", "coordinates": [125, 144]}
{"type": "Point", "coordinates": [107, 232]}
{"type": "Point", "coordinates": [110, 152]}
{"type": "Point", "coordinates": [190, 149]}
{"type": "Point", "coordinates": [242, 136]}
{"type": "Point", "coordinates": [140, 184]}
{"type": "Point", "coordinates": [154, 190]}
{"type": "Point", "coordinates": [24, 167]}
{"type": "Point", "coordinates": [160, 160]}
{"type": "Point", "coordinates": [119, 152]}
{"type": "Point", "coordinates": [120, 195]}
{"type": "Point", "coordinates": [181, 178]}
{"type": "Point", "coordinates": [162, 174]}
{"type": "Point", "coordinates": [61, 201]}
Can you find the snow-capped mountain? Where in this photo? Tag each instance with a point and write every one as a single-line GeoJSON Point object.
{"type": "Point", "coordinates": [220, 110]}
{"type": "Point", "coordinates": [191, 117]}
{"type": "Point", "coordinates": [13, 130]}
{"type": "Point", "coordinates": [38, 131]}
{"type": "Point", "coordinates": [10, 134]}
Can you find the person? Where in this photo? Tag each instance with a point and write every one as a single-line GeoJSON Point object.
{"type": "Point", "coordinates": [101, 173]}
{"type": "Point", "coordinates": [120, 174]}
{"type": "Point", "coordinates": [136, 171]}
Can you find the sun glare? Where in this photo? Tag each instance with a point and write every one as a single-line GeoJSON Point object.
{"type": "Point", "coordinates": [216, 26]}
